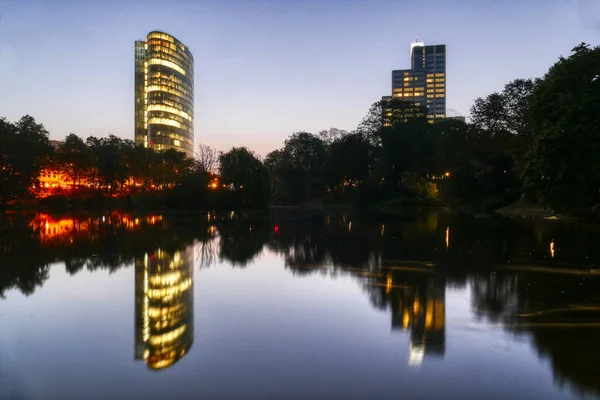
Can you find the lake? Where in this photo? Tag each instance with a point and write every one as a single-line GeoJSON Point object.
{"type": "Point", "coordinates": [298, 305]}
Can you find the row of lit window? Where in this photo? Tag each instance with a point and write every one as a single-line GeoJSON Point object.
{"type": "Point", "coordinates": [179, 100]}
{"type": "Point", "coordinates": [158, 74]}
{"type": "Point", "coordinates": [166, 63]}
{"type": "Point", "coordinates": [171, 84]}
{"type": "Point", "coordinates": [172, 110]}
{"type": "Point", "coordinates": [160, 35]}
{"type": "Point", "coordinates": [415, 94]}
{"type": "Point", "coordinates": [431, 96]}
{"type": "Point", "coordinates": [152, 53]}
{"type": "Point", "coordinates": [179, 55]}
{"type": "Point", "coordinates": [179, 105]}
{"type": "Point", "coordinates": [155, 79]}
{"type": "Point", "coordinates": [165, 121]}
{"type": "Point", "coordinates": [174, 136]}
{"type": "Point", "coordinates": [186, 124]}
{"type": "Point", "coordinates": [170, 45]}
{"type": "Point", "coordinates": [435, 75]}
{"type": "Point", "coordinates": [167, 89]}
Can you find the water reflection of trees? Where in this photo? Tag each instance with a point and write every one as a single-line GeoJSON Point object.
{"type": "Point", "coordinates": [403, 263]}
{"type": "Point", "coordinates": [560, 312]}
{"type": "Point", "coordinates": [110, 241]}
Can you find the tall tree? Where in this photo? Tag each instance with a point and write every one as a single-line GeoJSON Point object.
{"type": "Point", "coordinates": [242, 169]}
{"type": "Point", "coordinates": [73, 158]}
{"type": "Point", "coordinates": [562, 167]}
{"type": "Point", "coordinates": [349, 159]}
{"type": "Point", "coordinates": [24, 149]}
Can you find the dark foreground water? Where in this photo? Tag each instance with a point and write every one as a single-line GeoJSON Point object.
{"type": "Point", "coordinates": [297, 306]}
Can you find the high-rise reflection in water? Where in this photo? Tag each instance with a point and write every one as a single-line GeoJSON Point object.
{"type": "Point", "coordinates": [418, 303]}
{"type": "Point", "coordinates": [164, 306]}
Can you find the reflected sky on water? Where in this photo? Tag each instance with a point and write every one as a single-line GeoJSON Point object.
{"type": "Point", "coordinates": [298, 305]}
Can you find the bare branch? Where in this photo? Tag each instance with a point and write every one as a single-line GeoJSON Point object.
{"type": "Point", "coordinates": [206, 158]}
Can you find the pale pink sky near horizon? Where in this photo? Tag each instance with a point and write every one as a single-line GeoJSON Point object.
{"type": "Point", "coordinates": [270, 68]}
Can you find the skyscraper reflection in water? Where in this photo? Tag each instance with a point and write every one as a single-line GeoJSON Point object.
{"type": "Point", "coordinates": [164, 307]}
{"type": "Point", "coordinates": [419, 305]}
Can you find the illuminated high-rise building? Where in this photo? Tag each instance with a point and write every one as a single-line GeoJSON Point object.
{"type": "Point", "coordinates": [164, 307]}
{"type": "Point", "coordinates": [164, 94]}
{"type": "Point", "coordinates": [425, 82]}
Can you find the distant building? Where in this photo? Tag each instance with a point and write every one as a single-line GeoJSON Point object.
{"type": "Point", "coordinates": [56, 143]}
{"type": "Point", "coordinates": [164, 94]}
{"type": "Point", "coordinates": [425, 82]}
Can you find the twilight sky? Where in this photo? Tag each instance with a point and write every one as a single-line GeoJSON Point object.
{"type": "Point", "coordinates": [268, 68]}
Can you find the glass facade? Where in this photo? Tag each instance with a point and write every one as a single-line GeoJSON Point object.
{"type": "Point", "coordinates": [164, 94]}
{"type": "Point", "coordinates": [425, 82]}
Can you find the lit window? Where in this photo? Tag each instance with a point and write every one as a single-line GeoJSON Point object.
{"type": "Point", "coordinates": [172, 110]}
{"type": "Point", "coordinates": [165, 121]}
{"type": "Point", "coordinates": [440, 74]}
{"type": "Point", "coordinates": [166, 63]}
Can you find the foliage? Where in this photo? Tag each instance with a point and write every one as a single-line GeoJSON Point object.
{"type": "Point", "coordinates": [245, 173]}
{"type": "Point", "coordinates": [297, 170]}
{"type": "Point", "coordinates": [562, 167]}
{"type": "Point", "coordinates": [24, 149]}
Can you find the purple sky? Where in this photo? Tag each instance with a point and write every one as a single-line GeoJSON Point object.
{"type": "Point", "coordinates": [265, 69]}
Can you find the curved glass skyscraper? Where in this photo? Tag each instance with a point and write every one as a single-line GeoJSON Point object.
{"type": "Point", "coordinates": [164, 94]}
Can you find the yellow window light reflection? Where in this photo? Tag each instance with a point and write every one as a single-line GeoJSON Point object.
{"type": "Point", "coordinates": [156, 312]}
{"type": "Point", "coordinates": [167, 337]}
{"type": "Point", "coordinates": [170, 291]}
{"type": "Point", "coordinates": [405, 320]}
{"type": "Point", "coordinates": [165, 279]}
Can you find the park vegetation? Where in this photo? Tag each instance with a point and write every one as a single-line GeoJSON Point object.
{"type": "Point", "coordinates": [538, 141]}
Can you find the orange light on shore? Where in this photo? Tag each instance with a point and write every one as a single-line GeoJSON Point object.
{"type": "Point", "coordinates": [447, 174]}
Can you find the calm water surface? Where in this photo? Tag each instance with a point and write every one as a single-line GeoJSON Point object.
{"type": "Point", "coordinates": [298, 306]}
